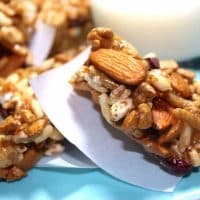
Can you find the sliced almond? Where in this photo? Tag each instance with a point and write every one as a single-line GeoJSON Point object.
{"type": "Point", "coordinates": [168, 64]}
{"type": "Point", "coordinates": [159, 81]}
{"type": "Point", "coordinates": [130, 122]}
{"type": "Point", "coordinates": [180, 85]}
{"type": "Point", "coordinates": [186, 73]}
{"type": "Point", "coordinates": [119, 65]}
{"type": "Point", "coordinates": [145, 116]}
{"type": "Point", "coordinates": [162, 117]}
{"type": "Point", "coordinates": [172, 133]}
{"type": "Point", "coordinates": [185, 137]}
{"type": "Point", "coordinates": [192, 118]}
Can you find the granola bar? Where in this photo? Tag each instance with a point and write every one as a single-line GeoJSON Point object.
{"type": "Point", "coordinates": [25, 132]}
{"type": "Point", "coordinates": [155, 103]}
{"type": "Point", "coordinates": [78, 22]}
{"type": "Point", "coordinates": [70, 18]}
{"type": "Point", "coordinates": [57, 12]}
{"type": "Point", "coordinates": [17, 19]}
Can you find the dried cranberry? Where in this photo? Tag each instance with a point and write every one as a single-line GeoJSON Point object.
{"type": "Point", "coordinates": [78, 22]}
{"type": "Point", "coordinates": [4, 51]}
{"type": "Point", "coordinates": [5, 112]}
{"type": "Point", "coordinates": [176, 165]}
{"type": "Point", "coordinates": [153, 62]}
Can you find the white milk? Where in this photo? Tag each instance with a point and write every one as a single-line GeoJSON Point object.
{"type": "Point", "coordinates": [171, 28]}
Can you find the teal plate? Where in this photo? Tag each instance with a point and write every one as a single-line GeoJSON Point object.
{"type": "Point", "coordinates": [83, 184]}
{"type": "Point", "coordinates": [72, 184]}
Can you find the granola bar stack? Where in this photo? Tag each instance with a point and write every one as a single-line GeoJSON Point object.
{"type": "Point", "coordinates": [155, 103]}
{"type": "Point", "coordinates": [25, 132]}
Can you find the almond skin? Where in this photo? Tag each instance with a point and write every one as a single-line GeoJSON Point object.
{"type": "Point", "coordinates": [162, 116]}
{"type": "Point", "coordinates": [180, 85]}
{"type": "Point", "coordinates": [120, 66]}
{"type": "Point", "coordinates": [130, 122]}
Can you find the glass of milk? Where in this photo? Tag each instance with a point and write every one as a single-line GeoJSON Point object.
{"type": "Point", "coordinates": [170, 28]}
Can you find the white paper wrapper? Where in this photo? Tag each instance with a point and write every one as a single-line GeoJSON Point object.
{"type": "Point", "coordinates": [76, 118]}
{"type": "Point", "coordinates": [41, 42]}
{"type": "Point", "coordinates": [40, 46]}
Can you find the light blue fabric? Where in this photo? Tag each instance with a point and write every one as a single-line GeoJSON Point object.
{"type": "Point", "coordinates": [72, 184]}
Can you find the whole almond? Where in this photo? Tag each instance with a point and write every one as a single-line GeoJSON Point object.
{"type": "Point", "coordinates": [120, 66]}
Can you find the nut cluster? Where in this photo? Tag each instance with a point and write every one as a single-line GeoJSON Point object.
{"type": "Point", "coordinates": [154, 102]}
